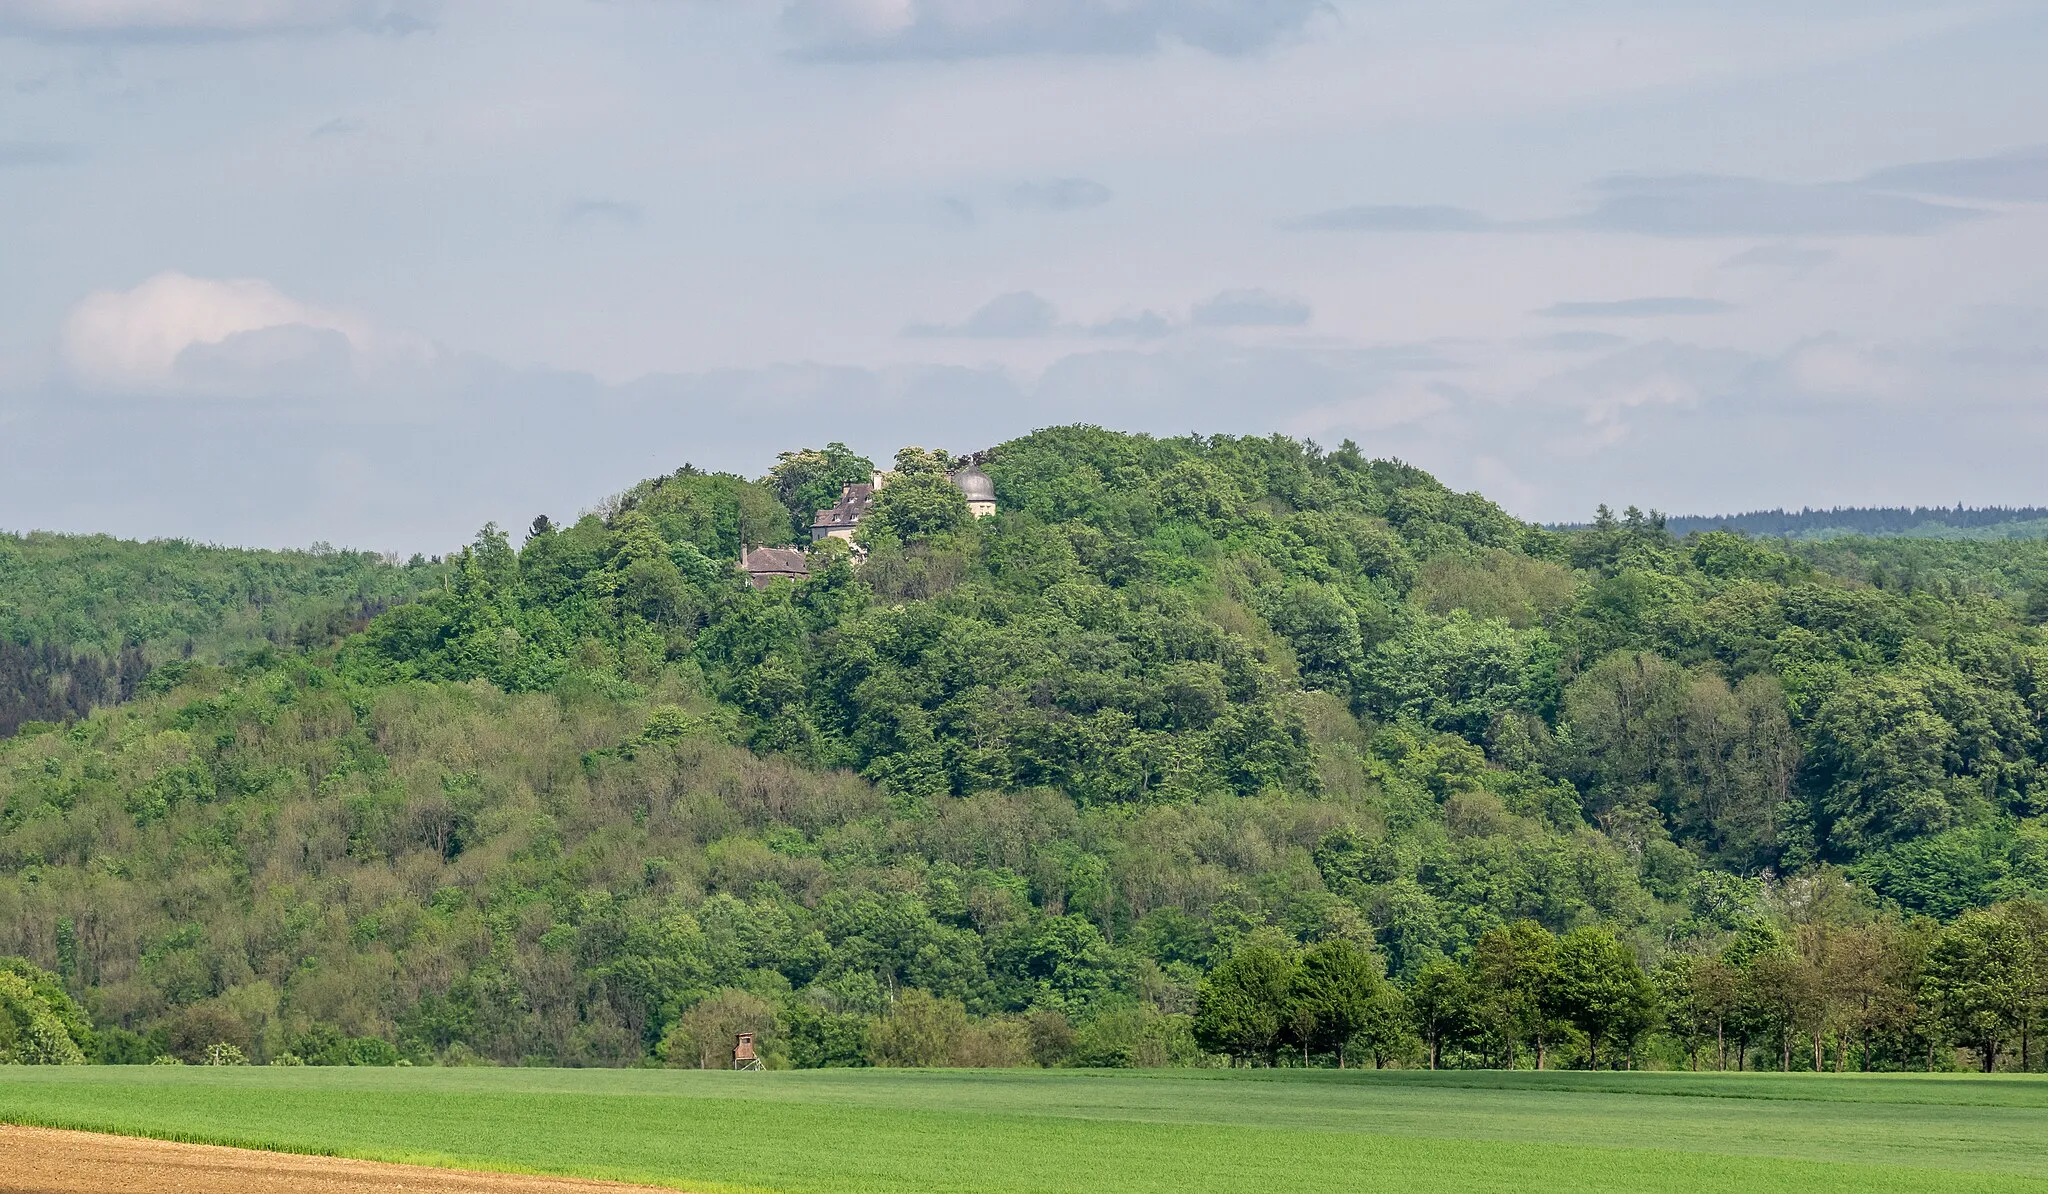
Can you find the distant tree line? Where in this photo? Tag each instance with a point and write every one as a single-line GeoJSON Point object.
{"type": "Point", "coordinates": [1820, 989]}
{"type": "Point", "coordinates": [1853, 520]}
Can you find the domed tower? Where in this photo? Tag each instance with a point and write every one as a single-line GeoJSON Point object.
{"type": "Point", "coordinates": [979, 490]}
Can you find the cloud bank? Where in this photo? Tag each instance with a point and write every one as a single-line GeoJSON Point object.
{"type": "Point", "coordinates": [1882, 203]}
{"type": "Point", "coordinates": [214, 18]}
{"type": "Point", "coordinates": [1016, 315]}
{"type": "Point", "coordinates": [1637, 308]}
{"type": "Point", "coordinates": [179, 335]}
{"type": "Point", "coordinates": [856, 30]}
{"type": "Point", "coordinates": [2021, 175]}
{"type": "Point", "coordinates": [1251, 308]}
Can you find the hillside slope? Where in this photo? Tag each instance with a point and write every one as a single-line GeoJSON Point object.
{"type": "Point", "coordinates": [83, 618]}
{"type": "Point", "coordinates": [1177, 698]}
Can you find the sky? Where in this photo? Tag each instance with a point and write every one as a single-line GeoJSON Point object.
{"type": "Point", "coordinates": [375, 272]}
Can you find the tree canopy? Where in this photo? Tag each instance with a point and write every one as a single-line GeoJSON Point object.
{"type": "Point", "coordinates": [1201, 746]}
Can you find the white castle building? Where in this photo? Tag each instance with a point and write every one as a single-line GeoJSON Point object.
{"type": "Point", "coordinates": [841, 519]}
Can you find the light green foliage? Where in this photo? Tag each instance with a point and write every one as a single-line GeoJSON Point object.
{"type": "Point", "coordinates": [707, 1034]}
{"type": "Point", "coordinates": [810, 479]}
{"type": "Point", "coordinates": [1601, 991]}
{"type": "Point", "coordinates": [32, 1031]}
{"type": "Point", "coordinates": [1983, 980]}
{"type": "Point", "coordinates": [914, 507]}
{"type": "Point", "coordinates": [1520, 590]}
{"type": "Point", "coordinates": [922, 462]}
{"type": "Point", "coordinates": [223, 1053]}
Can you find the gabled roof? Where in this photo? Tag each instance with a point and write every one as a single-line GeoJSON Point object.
{"type": "Point", "coordinates": [776, 561]}
{"type": "Point", "coordinates": [853, 502]}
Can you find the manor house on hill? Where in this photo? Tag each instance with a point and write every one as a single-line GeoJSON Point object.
{"type": "Point", "coordinates": [765, 565]}
{"type": "Point", "coordinates": [839, 521]}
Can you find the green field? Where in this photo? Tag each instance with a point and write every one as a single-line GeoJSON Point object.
{"type": "Point", "coordinates": [1178, 1132]}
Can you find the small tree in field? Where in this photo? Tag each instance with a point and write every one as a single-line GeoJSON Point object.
{"type": "Point", "coordinates": [1440, 1006]}
{"type": "Point", "coordinates": [1385, 1034]}
{"type": "Point", "coordinates": [1979, 980]}
{"type": "Point", "coordinates": [1241, 1007]}
{"type": "Point", "coordinates": [1601, 991]}
{"type": "Point", "coordinates": [1332, 996]}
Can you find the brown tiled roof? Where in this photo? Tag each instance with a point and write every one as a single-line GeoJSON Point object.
{"type": "Point", "coordinates": [853, 502]}
{"type": "Point", "coordinates": [775, 561]}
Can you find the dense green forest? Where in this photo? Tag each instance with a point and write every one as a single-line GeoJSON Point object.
{"type": "Point", "coordinates": [1913, 522]}
{"type": "Point", "coordinates": [83, 618]}
{"type": "Point", "coordinates": [1200, 748]}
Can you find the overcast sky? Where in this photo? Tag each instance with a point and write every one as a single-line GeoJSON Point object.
{"type": "Point", "coordinates": [375, 272]}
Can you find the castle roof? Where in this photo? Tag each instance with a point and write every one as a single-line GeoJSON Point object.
{"type": "Point", "coordinates": [763, 564]}
{"type": "Point", "coordinates": [975, 484]}
{"type": "Point", "coordinates": [853, 502]}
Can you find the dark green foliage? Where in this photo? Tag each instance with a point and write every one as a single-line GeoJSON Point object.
{"type": "Point", "coordinates": [1242, 1007]}
{"type": "Point", "coordinates": [84, 618]}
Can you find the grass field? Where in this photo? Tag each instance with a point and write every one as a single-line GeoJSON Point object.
{"type": "Point", "coordinates": [1170, 1132]}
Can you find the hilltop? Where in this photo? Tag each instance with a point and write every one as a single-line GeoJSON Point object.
{"type": "Point", "coordinates": [592, 798]}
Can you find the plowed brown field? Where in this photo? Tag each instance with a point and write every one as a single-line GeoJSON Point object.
{"type": "Point", "coordinates": [45, 1161]}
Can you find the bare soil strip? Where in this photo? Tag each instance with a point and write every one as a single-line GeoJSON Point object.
{"type": "Point", "coordinates": [47, 1161]}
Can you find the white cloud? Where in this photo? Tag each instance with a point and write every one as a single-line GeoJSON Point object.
{"type": "Point", "coordinates": [176, 332]}
{"type": "Point", "coordinates": [200, 17]}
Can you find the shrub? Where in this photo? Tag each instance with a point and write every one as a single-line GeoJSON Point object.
{"type": "Point", "coordinates": [993, 1044]}
{"type": "Point", "coordinates": [919, 1030]}
{"type": "Point", "coordinates": [222, 1053]}
{"type": "Point", "coordinates": [324, 1044]}
{"type": "Point", "coordinates": [705, 1035]}
{"type": "Point", "coordinates": [923, 1030]}
{"type": "Point", "coordinates": [31, 1031]}
{"type": "Point", "coordinates": [1136, 1037]}
{"type": "Point", "coordinates": [39, 1023]}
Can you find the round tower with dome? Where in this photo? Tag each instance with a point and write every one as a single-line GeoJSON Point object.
{"type": "Point", "coordinates": [979, 490]}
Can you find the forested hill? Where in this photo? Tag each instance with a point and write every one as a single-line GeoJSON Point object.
{"type": "Point", "coordinates": [83, 618]}
{"type": "Point", "coordinates": [1923, 522]}
{"type": "Point", "coordinates": [1178, 704]}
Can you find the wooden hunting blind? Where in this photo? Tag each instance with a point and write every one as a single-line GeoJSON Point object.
{"type": "Point", "coordinates": [743, 1053]}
